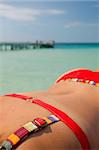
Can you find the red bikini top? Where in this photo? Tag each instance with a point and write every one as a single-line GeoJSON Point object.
{"type": "Point", "coordinates": [63, 117]}
{"type": "Point", "coordinates": [81, 74]}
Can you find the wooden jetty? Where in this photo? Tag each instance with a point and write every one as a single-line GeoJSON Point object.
{"type": "Point", "coordinates": [25, 45]}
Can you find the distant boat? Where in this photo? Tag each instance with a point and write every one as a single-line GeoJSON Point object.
{"type": "Point", "coordinates": [49, 44]}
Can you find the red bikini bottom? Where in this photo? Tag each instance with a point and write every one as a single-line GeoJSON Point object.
{"type": "Point", "coordinates": [62, 116]}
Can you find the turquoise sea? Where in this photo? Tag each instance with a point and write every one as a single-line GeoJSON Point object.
{"type": "Point", "coordinates": [27, 70]}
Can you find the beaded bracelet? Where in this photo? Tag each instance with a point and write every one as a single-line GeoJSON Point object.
{"type": "Point", "coordinates": [26, 130]}
{"type": "Point", "coordinates": [85, 81]}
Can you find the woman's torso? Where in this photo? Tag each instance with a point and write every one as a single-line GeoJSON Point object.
{"type": "Point", "coordinates": [79, 101]}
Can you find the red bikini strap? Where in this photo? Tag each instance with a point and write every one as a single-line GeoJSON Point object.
{"type": "Point", "coordinates": [68, 121]}
{"type": "Point", "coordinates": [19, 96]}
{"type": "Point", "coordinates": [63, 117]}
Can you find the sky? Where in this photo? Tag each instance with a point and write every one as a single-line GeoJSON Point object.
{"type": "Point", "coordinates": [59, 20]}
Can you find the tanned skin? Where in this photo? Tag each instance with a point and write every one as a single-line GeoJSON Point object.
{"type": "Point", "coordinates": [80, 101]}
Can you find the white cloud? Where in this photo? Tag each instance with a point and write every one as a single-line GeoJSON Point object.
{"type": "Point", "coordinates": [72, 24]}
{"type": "Point", "coordinates": [55, 12]}
{"type": "Point", "coordinates": [25, 14]}
{"type": "Point", "coordinates": [15, 13]}
{"type": "Point", "coordinates": [80, 24]}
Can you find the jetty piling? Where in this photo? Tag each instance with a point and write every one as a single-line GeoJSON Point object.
{"type": "Point", "coordinates": [25, 45]}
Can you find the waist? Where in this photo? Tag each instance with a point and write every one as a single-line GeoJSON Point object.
{"type": "Point", "coordinates": [23, 111]}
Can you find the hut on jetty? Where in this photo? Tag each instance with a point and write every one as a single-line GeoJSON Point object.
{"type": "Point", "coordinates": [26, 45]}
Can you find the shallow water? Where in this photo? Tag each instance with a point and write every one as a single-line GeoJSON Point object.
{"type": "Point", "coordinates": [29, 70]}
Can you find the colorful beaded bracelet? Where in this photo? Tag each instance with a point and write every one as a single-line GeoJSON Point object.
{"type": "Point", "coordinates": [85, 81]}
{"type": "Point", "coordinates": [26, 130]}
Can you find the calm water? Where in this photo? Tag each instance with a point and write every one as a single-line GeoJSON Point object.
{"type": "Point", "coordinates": [29, 70]}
